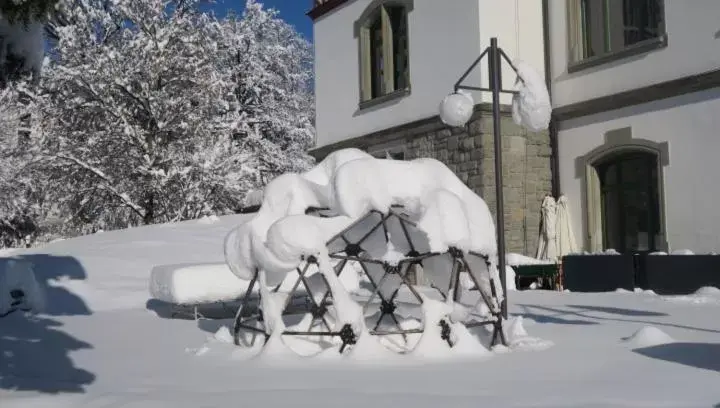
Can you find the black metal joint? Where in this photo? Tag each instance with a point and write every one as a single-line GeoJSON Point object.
{"type": "Point", "coordinates": [348, 337]}
{"type": "Point", "coordinates": [318, 311]}
{"type": "Point", "coordinates": [391, 269]}
{"type": "Point", "coordinates": [387, 308]}
{"type": "Point", "coordinates": [312, 259]}
{"type": "Point", "coordinates": [456, 253]}
{"type": "Point", "coordinates": [17, 294]}
{"type": "Point", "coordinates": [353, 250]}
{"type": "Point", "coordinates": [445, 332]}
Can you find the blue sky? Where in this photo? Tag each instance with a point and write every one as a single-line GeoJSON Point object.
{"type": "Point", "coordinates": [292, 11]}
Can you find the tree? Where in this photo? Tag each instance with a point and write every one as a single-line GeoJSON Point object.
{"type": "Point", "coordinates": [135, 117]}
{"type": "Point", "coordinates": [271, 67]}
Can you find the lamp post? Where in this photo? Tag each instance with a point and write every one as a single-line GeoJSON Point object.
{"type": "Point", "coordinates": [456, 110]}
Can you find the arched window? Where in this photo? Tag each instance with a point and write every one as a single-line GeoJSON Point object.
{"type": "Point", "coordinates": [384, 58]}
{"type": "Point", "coordinates": [623, 193]}
{"type": "Point", "coordinates": [630, 202]}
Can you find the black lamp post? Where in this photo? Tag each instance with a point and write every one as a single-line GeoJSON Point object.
{"type": "Point", "coordinates": [495, 55]}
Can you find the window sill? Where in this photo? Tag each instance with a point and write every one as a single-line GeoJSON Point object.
{"type": "Point", "coordinates": [635, 49]}
{"type": "Point", "coordinates": [384, 98]}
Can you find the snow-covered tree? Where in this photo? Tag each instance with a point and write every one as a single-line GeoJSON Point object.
{"type": "Point", "coordinates": [135, 117]}
{"type": "Point", "coordinates": [271, 67]}
{"type": "Point", "coordinates": [20, 205]}
{"type": "Point", "coordinates": [151, 111]}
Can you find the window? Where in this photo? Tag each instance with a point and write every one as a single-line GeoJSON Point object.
{"type": "Point", "coordinates": [630, 202]}
{"type": "Point", "coordinates": [601, 29]}
{"type": "Point", "coordinates": [384, 58]}
{"type": "Point", "coordinates": [397, 153]}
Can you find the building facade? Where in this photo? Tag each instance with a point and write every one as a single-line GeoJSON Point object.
{"type": "Point", "coordinates": [382, 67]}
{"type": "Point", "coordinates": [636, 115]}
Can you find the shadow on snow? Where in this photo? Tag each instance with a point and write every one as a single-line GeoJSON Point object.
{"type": "Point", "coordinates": [35, 350]}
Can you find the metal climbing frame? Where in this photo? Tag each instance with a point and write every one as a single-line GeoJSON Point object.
{"type": "Point", "coordinates": [359, 243]}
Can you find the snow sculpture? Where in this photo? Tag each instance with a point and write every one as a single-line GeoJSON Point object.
{"type": "Point", "coordinates": [383, 218]}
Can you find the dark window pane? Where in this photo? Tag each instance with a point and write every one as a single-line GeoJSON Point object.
{"type": "Point", "coordinates": [376, 57]}
{"type": "Point", "coordinates": [398, 19]}
{"type": "Point", "coordinates": [630, 205]}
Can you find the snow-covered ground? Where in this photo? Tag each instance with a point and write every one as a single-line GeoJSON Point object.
{"type": "Point", "coordinates": [101, 343]}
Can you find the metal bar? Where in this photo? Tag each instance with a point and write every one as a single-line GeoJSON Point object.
{"type": "Point", "coordinates": [484, 296]}
{"type": "Point", "coordinates": [238, 315]}
{"type": "Point", "coordinates": [404, 331]}
{"type": "Point", "coordinates": [477, 324]}
{"type": "Point", "coordinates": [476, 88]}
{"type": "Point", "coordinates": [382, 222]}
{"type": "Point", "coordinates": [496, 85]}
{"type": "Point", "coordinates": [406, 233]}
{"type": "Point", "coordinates": [356, 258]}
{"type": "Point", "coordinates": [404, 218]}
{"type": "Point", "coordinates": [309, 333]}
{"type": "Point", "coordinates": [251, 328]}
{"type": "Point", "coordinates": [472, 66]}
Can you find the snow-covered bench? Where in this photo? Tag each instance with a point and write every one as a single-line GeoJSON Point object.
{"type": "Point", "coordinates": [19, 290]}
{"type": "Point", "coordinates": [189, 287]}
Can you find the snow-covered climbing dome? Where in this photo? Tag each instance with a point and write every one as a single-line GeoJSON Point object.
{"type": "Point", "coordinates": [350, 183]}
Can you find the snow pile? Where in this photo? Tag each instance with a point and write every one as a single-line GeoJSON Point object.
{"type": "Point", "coordinates": [648, 336]}
{"type": "Point", "coordinates": [18, 287]}
{"type": "Point", "coordinates": [706, 295]}
{"type": "Point", "coordinates": [519, 339]}
{"type": "Point", "coordinates": [531, 107]}
{"type": "Point", "coordinates": [514, 259]}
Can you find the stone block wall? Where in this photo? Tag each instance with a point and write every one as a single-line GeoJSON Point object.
{"type": "Point", "coordinates": [469, 152]}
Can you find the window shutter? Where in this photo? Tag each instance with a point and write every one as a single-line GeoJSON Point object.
{"type": "Point", "coordinates": [388, 54]}
{"type": "Point", "coordinates": [365, 65]}
{"type": "Point", "coordinates": [574, 30]}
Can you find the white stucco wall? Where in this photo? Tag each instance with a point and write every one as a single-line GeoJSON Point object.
{"type": "Point", "coordinates": [690, 125]}
{"type": "Point", "coordinates": [693, 47]}
{"type": "Point", "coordinates": [445, 37]}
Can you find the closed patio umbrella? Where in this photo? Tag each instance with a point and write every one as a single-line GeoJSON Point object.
{"type": "Point", "coordinates": [565, 239]}
{"type": "Point", "coordinates": [547, 248]}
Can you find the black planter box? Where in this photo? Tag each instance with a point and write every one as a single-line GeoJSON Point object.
{"type": "Point", "coordinates": [679, 274]}
{"type": "Point", "coordinates": [598, 273]}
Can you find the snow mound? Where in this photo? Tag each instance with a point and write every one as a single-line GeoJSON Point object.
{"type": "Point", "coordinates": [648, 336]}
{"type": "Point", "coordinates": [519, 339]}
{"type": "Point", "coordinates": [708, 291]}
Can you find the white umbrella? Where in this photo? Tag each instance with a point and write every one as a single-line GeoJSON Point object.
{"type": "Point", "coordinates": [547, 240]}
{"type": "Point", "coordinates": [565, 239]}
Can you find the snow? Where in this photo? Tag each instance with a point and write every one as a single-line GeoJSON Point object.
{"type": "Point", "coordinates": [531, 107]}
{"type": "Point", "coordinates": [457, 108]}
{"type": "Point", "coordinates": [195, 284]}
{"type": "Point", "coordinates": [100, 343]}
{"type": "Point", "coordinates": [648, 336]}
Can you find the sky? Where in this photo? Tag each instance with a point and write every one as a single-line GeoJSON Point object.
{"type": "Point", "coordinates": [292, 11]}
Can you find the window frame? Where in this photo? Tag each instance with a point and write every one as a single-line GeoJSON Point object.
{"type": "Point", "coordinates": [379, 9]}
{"type": "Point", "coordinates": [576, 37]}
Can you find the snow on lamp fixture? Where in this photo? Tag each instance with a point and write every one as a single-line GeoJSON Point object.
{"type": "Point", "coordinates": [456, 109]}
